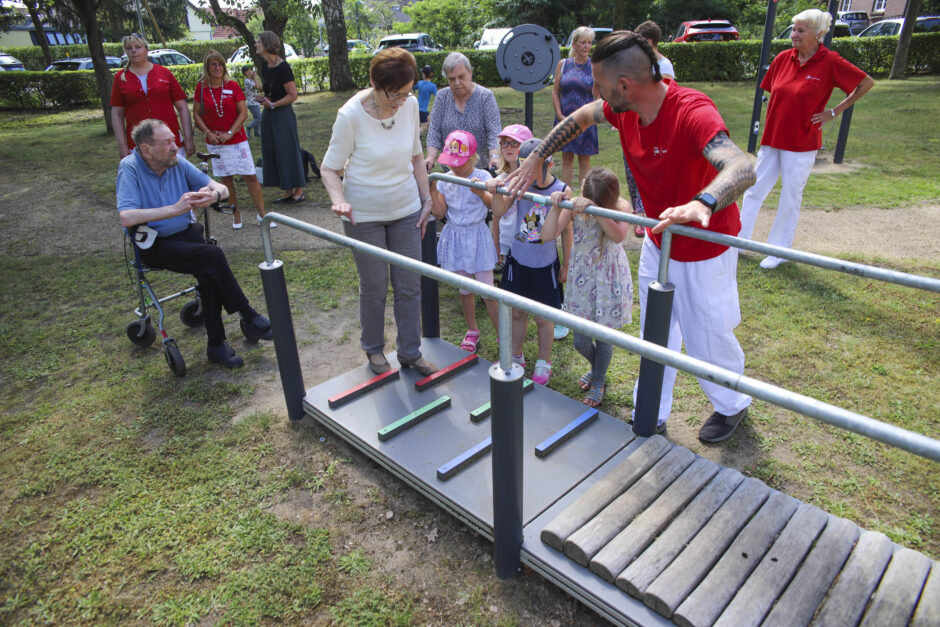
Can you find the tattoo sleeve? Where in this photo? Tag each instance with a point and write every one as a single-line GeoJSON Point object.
{"type": "Point", "coordinates": [559, 136]}
{"type": "Point", "coordinates": [735, 169]}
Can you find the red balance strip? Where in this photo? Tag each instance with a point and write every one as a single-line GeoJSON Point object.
{"type": "Point", "coordinates": [445, 373]}
{"type": "Point", "coordinates": [362, 388]}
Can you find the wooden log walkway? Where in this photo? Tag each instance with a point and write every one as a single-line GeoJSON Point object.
{"type": "Point", "coordinates": [703, 545]}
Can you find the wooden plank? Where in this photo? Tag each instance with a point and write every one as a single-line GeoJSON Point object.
{"type": "Point", "coordinates": [604, 491]}
{"type": "Point", "coordinates": [464, 460]}
{"type": "Point", "coordinates": [895, 598]}
{"type": "Point", "coordinates": [928, 608]}
{"type": "Point", "coordinates": [705, 603]}
{"type": "Point", "coordinates": [799, 601]}
{"type": "Point", "coordinates": [484, 410]}
{"type": "Point", "coordinates": [685, 572]}
{"type": "Point", "coordinates": [402, 424]}
{"type": "Point", "coordinates": [584, 543]}
{"type": "Point", "coordinates": [544, 448]}
{"type": "Point", "coordinates": [758, 594]}
{"type": "Point", "coordinates": [445, 373]}
{"type": "Point", "coordinates": [848, 596]}
{"type": "Point", "coordinates": [611, 560]}
{"type": "Point", "coordinates": [654, 560]}
{"type": "Point", "coordinates": [363, 388]}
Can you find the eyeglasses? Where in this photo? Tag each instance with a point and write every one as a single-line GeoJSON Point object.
{"type": "Point", "coordinates": [396, 97]}
{"type": "Point", "coordinates": [508, 143]}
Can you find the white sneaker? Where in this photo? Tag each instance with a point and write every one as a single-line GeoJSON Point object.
{"type": "Point", "coordinates": [237, 225]}
{"type": "Point", "coordinates": [769, 263]}
{"type": "Point", "coordinates": [542, 372]}
{"type": "Point", "coordinates": [519, 359]}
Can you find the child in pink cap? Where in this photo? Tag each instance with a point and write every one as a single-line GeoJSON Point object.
{"type": "Point", "coordinates": [510, 138]}
{"type": "Point", "coordinates": [465, 245]}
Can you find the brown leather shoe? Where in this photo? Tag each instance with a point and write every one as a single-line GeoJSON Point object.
{"type": "Point", "coordinates": [421, 365]}
{"type": "Point", "coordinates": [378, 364]}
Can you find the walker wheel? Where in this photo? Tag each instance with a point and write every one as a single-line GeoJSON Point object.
{"type": "Point", "coordinates": [192, 314]}
{"type": "Point", "coordinates": [141, 333]}
{"type": "Point", "coordinates": [174, 359]}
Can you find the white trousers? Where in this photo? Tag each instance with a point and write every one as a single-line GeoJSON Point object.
{"type": "Point", "coordinates": [793, 168]}
{"type": "Point", "coordinates": [705, 311]}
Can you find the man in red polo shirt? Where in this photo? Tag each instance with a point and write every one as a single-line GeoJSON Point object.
{"type": "Point", "coordinates": [687, 170]}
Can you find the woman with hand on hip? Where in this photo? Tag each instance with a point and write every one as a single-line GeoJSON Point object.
{"type": "Point", "coordinates": [573, 88]}
{"type": "Point", "coordinates": [375, 176]}
{"type": "Point", "coordinates": [143, 91]}
{"type": "Point", "coordinates": [280, 147]}
{"type": "Point", "coordinates": [220, 111]}
{"type": "Point", "coordinates": [800, 82]}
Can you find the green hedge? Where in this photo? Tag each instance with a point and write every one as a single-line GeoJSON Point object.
{"type": "Point", "coordinates": [729, 61]}
{"type": "Point", "coordinates": [32, 59]}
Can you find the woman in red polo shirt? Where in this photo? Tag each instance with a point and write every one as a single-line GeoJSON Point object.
{"type": "Point", "coordinates": [800, 82]}
{"type": "Point", "coordinates": [220, 111]}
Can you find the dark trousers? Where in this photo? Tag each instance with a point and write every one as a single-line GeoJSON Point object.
{"type": "Point", "coordinates": [188, 253]}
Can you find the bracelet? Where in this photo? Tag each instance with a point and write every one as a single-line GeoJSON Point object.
{"type": "Point", "coordinates": [833, 112]}
{"type": "Point", "coordinates": [424, 200]}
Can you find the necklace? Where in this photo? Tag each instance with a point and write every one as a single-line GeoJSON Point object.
{"type": "Point", "coordinates": [217, 104]}
{"type": "Point", "coordinates": [579, 66]}
{"type": "Point", "coordinates": [378, 110]}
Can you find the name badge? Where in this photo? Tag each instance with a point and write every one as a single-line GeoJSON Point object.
{"type": "Point", "coordinates": [227, 92]}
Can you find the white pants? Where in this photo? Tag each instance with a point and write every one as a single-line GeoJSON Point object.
{"type": "Point", "coordinates": [705, 311]}
{"type": "Point", "coordinates": [793, 168]}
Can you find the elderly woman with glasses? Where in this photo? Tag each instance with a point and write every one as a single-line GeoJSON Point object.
{"type": "Point", "coordinates": [464, 106]}
{"type": "Point", "coordinates": [143, 91]}
{"type": "Point", "coordinates": [374, 174]}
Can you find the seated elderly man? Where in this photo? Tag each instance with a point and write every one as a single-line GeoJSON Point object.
{"type": "Point", "coordinates": [156, 189]}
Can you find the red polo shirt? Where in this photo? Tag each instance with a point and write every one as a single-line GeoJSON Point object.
{"type": "Point", "coordinates": [162, 91]}
{"type": "Point", "coordinates": [798, 92]}
{"type": "Point", "coordinates": [224, 99]}
{"type": "Point", "coordinates": [667, 162]}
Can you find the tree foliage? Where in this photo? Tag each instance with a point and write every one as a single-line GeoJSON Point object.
{"type": "Point", "coordinates": [454, 23]}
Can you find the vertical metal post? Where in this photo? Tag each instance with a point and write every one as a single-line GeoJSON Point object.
{"type": "Point", "coordinates": [528, 109]}
{"type": "Point", "coordinates": [506, 430]}
{"type": "Point", "coordinates": [761, 70]}
{"type": "Point", "coordinates": [285, 343]}
{"type": "Point", "coordinates": [650, 380]}
{"type": "Point", "coordinates": [843, 135]}
{"type": "Point", "coordinates": [430, 311]}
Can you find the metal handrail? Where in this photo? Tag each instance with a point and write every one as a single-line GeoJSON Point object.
{"type": "Point", "coordinates": [915, 443]}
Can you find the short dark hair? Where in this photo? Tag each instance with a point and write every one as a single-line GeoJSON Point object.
{"type": "Point", "coordinates": [393, 68]}
{"type": "Point", "coordinates": [616, 48]}
{"type": "Point", "coordinates": [143, 133]}
{"type": "Point", "coordinates": [651, 31]}
{"type": "Point", "coordinates": [270, 42]}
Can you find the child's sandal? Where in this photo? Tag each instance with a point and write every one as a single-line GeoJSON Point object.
{"type": "Point", "coordinates": [584, 382]}
{"type": "Point", "coordinates": [595, 396]}
{"type": "Point", "coordinates": [470, 340]}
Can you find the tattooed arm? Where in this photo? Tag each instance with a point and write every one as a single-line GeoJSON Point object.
{"type": "Point", "coordinates": [566, 130]}
{"type": "Point", "coordinates": [735, 174]}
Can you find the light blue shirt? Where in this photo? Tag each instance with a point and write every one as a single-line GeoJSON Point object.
{"type": "Point", "coordinates": [426, 89]}
{"type": "Point", "coordinates": [139, 187]}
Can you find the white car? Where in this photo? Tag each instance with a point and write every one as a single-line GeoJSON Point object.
{"type": "Point", "coordinates": [241, 55]}
{"type": "Point", "coordinates": [164, 56]}
{"type": "Point", "coordinates": [892, 27]}
{"type": "Point", "coordinates": [490, 38]}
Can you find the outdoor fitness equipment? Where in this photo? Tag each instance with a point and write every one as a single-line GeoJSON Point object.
{"type": "Point", "coordinates": [526, 60]}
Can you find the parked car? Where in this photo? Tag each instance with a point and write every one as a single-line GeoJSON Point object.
{"type": "Point", "coordinates": [892, 27]}
{"type": "Point", "coordinates": [81, 63]}
{"type": "Point", "coordinates": [490, 38]}
{"type": "Point", "coordinates": [706, 30]}
{"type": "Point", "coordinates": [412, 42]}
{"type": "Point", "coordinates": [9, 63]}
{"type": "Point", "coordinates": [353, 46]}
{"type": "Point", "coordinates": [857, 20]}
{"type": "Point", "coordinates": [164, 56]}
{"type": "Point", "coordinates": [599, 33]}
{"type": "Point", "coordinates": [241, 56]}
{"type": "Point", "coordinates": [839, 29]}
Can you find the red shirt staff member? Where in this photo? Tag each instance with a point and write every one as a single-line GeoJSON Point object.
{"type": "Point", "coordinates": [800, 82]}
{"type": "Point", "coordinates": [687, 170]}
{"type": "Point", "coordinates": [220, 111]}
{"type": "Point", "coordinates": [143, 90]}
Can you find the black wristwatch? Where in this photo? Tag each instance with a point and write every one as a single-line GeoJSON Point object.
{"type": "Point", "coordinates": [708, 200]}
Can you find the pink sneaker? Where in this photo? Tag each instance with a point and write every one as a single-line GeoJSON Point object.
{"type": "Point", "coordinates": [542, 372]}
{"type": "Point", "coordinates": [519, 359]}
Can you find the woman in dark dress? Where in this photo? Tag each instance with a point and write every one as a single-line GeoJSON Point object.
{"type": "Point", "coordinates": [280, 146]}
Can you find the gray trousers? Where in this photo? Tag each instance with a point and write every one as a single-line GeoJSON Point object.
{"type": "Point", "coordinates": [399, 236]}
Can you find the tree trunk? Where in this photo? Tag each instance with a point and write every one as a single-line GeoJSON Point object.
{"type": "Point", "coordinates": [899, 68]}
{"type": "Point", "coordinates": [224, 19]}
{"type": "Point", "coordinates": [33, 9]}
{"type": "Point", "coordinates": [340, 75]}
{"type": "Point", "coordinates": [618, 14]}
{"type": "Point", "coordinates": [86, 10]}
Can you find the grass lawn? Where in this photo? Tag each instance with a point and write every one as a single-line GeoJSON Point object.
{"type": "Point", "coordinates": [127, 495]}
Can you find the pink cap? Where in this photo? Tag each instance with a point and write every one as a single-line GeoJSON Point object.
{"type": "Point", "coordinates": [518, 132]}
{"type": "Point", "coordinates": [458, 147]}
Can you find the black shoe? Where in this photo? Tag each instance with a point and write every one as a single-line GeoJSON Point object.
{"type": "Point", "coordinates": [288, 198]}
{"type": "Point", "coordinates": [719, 427]}
{"type": "Point", "coordinates": [294, 200]}
{"type": "Point", "coordinates": [225, 355]}
{"type": "Point", "coordinates": [258, 328]}
{"type": "Point", "coordinates": [660, 428]}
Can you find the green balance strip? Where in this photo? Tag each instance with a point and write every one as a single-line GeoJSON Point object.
{"type": "Point", "coordinates": [413, 418]}
{"type": "Point", "coordinates": [483, 410]}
